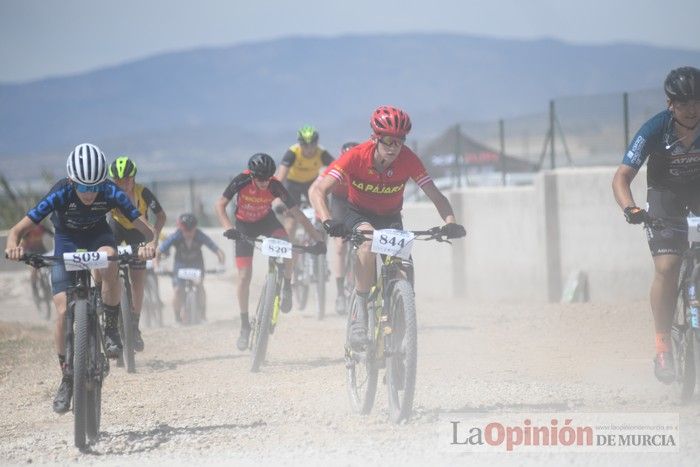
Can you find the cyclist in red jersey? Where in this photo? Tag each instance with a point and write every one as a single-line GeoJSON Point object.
{"type": "Point", "coordinates": [376, 173]}
{"type": "Point", "coordinates": [338, 208]}
{"type": "Point", "coordinates": [256, 188]}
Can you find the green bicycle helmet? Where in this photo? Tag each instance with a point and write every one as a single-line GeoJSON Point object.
{"type": "Point", "coordinates": [122, 167]}
{"type": "Point", "coordinates": [307, 135]}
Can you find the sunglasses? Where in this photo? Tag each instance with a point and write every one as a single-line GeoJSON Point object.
{"type": "Point", "coordinates": [88, 188]}
{"type": "Point", "coordinates": [262, 179]}
{"type": "Point", "coordinates": [391, 141]}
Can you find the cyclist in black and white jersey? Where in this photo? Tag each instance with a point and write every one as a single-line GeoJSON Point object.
{"type": "Point", "coordinates": [670, 144]}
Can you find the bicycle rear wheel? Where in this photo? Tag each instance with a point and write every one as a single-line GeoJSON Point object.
{"type": "Point", "coordinates": [301, 282]}
{"type": "Point", "coordinates": [321, 268]}
{"type": "Point", "coordinates": [682, 337]}
{"type": "Point", "coordinates": [361, 369]}
{"type": "Point", "coordinates": [80, 372]}
{"type": "Point", "coordinates": [403, 352]}
{"type": "Point", "coordinates": [261, 326]}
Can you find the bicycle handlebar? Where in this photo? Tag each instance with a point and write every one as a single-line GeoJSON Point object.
{"type": "Point", "coordinates": [307, 249]}
{"type": "Point", "coordinates": [435, 233]}
{"type": "Point", "coordinates": [39, 261]}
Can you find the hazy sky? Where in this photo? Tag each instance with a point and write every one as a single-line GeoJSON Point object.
{"type": "Point", "coordinates": [40, 38]}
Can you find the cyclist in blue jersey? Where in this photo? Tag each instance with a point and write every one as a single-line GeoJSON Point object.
{"type": "Point", "coordinates": [78, 206]}
{"type": "Point", "coordinates": [670, 143]}
{"type": "Point", "coordinates": [188, 241]}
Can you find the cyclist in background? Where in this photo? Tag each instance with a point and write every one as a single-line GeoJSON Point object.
{"type": "Point", "coordinates": [33, 243]}
{"type": "Point", "coordinates": [123, 173]}
{"type": "Point", "coordinates": [338, 208]}
{"type": "Point", "coordinates": [299, 168]}
{"type": "Point", "coordinates": [255, 189]}
{"type": "Point", "coordinates": [670, 141]}
{"type": "Point", "coordinates": [78, 206]}
{"type": "Point", "coordinates": [376, 173]}
{"type": "Point", "coordinates": [187, 241]}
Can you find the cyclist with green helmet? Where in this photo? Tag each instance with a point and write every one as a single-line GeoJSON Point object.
{"type": "Point", "coordinates": [300, 166]}
{"type": "Point", "coordinates": [123, 173]}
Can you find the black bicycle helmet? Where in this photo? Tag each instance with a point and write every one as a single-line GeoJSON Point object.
{"type": "Point", "coordinates": [261, 165]}
{"type": "Point", "coordinates": [187, 221]}
{"type": "Point", "coordinates": [683, 84]}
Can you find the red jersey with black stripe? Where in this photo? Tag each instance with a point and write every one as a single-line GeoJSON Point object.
{"type": "Point", "coordinates": [377, 192]}
{"type": "Point", "coordinates": [254, 203]}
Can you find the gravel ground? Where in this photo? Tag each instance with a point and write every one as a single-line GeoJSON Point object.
{"type": "Point", "coordinates": [194, 400]}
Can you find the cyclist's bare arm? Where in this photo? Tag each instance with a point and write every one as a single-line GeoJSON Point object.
{"type": "Point", "coordinates": [220, 208]}
{"type": "Point", "coordinates": [148, 250]}
{"type": "Point", "coordinates": [161, 217]}
{"type": "Point", "coordinates": [621, 185]}
{"type": "Point", "coordinates": [318, 193]}
{"type": "Point", "coordinates": [304, 221]}
{"type": "Point", "coordinates": [282, 173]}
{"type": "Point", "coordinates": [13, 250]}
{"type": "Point", "coordinates": [442, 204]}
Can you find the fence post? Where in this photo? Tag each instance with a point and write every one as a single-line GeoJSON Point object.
{"type": "Point", "coordinates": [501, 132]}
{"type": "Point", "coordinates": [626, 117]}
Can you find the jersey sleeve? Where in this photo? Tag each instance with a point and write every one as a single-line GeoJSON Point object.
{"type": "Point", "coordinates": [53, 200]}
{"type": "Point", "coordinates": [207, 241]}
{"type": "Point", "coordinates": [117, 198]}
{"type": "Point", "coordinates": [151, 201]}
{"type": "Point", "coordinates": [326, 158]}
{"type": "Point", "coordinates": [236, 185]}
{"type": "Point", "coordinates": [288, 159]}
{"type": "Point", "coordinates": [639, 148]}
{"type": "Point", "coordinates": [340, 168]}
{"type": "Point", "coordinates": [164, 247]}
{"type": "Point", "coordinates": [417, 170]}
{"type": "Point", "coordinates": [279, 191]}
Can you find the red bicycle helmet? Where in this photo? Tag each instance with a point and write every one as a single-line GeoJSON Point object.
{"type": "Point", "coordinates": [390, 121]}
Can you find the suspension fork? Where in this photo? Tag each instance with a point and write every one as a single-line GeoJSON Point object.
{"type": "Point", "coordinates": [78, 291]}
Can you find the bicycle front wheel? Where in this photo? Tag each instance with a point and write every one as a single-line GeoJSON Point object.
{"type": "Point", "coordinates": [301, 282]}
{"type": "Point", "coordinates": [263, 319]}
{"type": "Point", "coordinates": [361, 369]}
{"type": "Point", "coordinates": [94, 393]}
{"type": "Point", "coordinates": [191, 313]}
{"type": "Point", "coordinates": [80, 371]}
{"type": "Point", "coordinates": [402, 342]}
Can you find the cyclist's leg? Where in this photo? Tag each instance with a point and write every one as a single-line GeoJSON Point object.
{"type": "Point", "coordinates": [667, 247]}
{"type": "Point", "coordinates": [244, 264]}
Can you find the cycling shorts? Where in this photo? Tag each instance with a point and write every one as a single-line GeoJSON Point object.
{"type": "Point", "coordinates": [355, 217]}
{"type": "Point", "coordinates": [90, 240]}
{"type": "Point", "coordinates": [672, 207]}
{"type": "Point", "coordinates": [268, 226]}
{"type": "Point", "coordinates": [130, 237]}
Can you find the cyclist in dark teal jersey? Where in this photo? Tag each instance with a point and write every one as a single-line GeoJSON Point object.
{"type": "Point", "coordinates": [670, 144]}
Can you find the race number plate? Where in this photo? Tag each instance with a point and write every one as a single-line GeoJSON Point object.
{"type": "Point", "coordinates": [310, 213]}
{"type": "Point", "coordinates": [276, 248]}
{"type": "Point", "coordinates": [190, 274]}
{"type": "Point", "coordinates": [694, 229]}
{"type": "Point", "coordinates": [78, 261]}
{"type": "Point", "coordinates": [121, 249]}
{"type": "Point", "coordinates": [393, 242]}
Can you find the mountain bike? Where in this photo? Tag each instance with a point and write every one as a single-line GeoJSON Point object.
{"type": "Point", "coordinates": [392, 327]}
{"type": "Point", "coordinates": [268, 308]}
{"type": "Point", "coordinates": [310, 270]}
{"type": "Point", "coordinates": [85, 340]}
{"type": "Point", "coordinates": [194, 298]}
{"type": "Point", "coordinates": [685, 330]}
{"type": "Point", "coordinates": [41, 293]}
{"type": "Point", "coordinates": [152, 309]}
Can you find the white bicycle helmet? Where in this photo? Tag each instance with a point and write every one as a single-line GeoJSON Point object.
{"type": "Point", "coordinates": [87, 165]}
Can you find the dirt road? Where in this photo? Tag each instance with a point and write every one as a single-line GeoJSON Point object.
{"type": "Point", "coordinates": [194, 400]}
